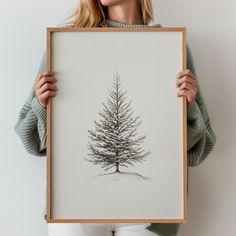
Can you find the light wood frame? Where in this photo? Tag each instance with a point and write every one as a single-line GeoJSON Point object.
{"type": "Point", "coordinates": [50, 217]}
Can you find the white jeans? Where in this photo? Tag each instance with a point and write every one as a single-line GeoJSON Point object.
{"type": "Point", "coordinates": [99, 229]}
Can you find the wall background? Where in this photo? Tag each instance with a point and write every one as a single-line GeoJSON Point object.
{"type": "Point", "coordinates": [212, 39]}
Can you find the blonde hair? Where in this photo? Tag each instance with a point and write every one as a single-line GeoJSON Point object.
{"type": "Point", "coordinates": [91, 13]}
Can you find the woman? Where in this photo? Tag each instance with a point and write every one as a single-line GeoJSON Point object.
{"type": "Point", "coordinates": [31, 122]}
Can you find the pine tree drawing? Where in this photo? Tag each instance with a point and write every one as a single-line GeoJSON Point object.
{"type": "Point", "coordinates": [115, 142]}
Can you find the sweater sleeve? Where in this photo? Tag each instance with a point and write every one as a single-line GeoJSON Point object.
{"type": "Point", "coordinates": [200, 135]}
{"type": "Point", "coordinates": [31, 122]}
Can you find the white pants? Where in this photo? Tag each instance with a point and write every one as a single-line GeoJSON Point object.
{"type": "Point", "coordinates": [99, 229]}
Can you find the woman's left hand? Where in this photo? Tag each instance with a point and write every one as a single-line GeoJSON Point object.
{"type": "Point", "coordinates": [187, 84]}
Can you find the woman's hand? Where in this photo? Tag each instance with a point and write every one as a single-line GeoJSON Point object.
{"type": "Point", "coordinates": [45, 87]}
{"type": "Point", "coordinates": [187, 84]}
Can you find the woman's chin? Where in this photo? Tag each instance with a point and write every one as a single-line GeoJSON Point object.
{"type": "Point", "coordinates": [110, 2]}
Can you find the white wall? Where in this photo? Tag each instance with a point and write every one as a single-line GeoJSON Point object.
{"type": "Point", "coordinates": [212, 39]}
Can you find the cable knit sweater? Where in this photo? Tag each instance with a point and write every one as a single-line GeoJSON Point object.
{"type": "Point", "coordinates": [31, 128]}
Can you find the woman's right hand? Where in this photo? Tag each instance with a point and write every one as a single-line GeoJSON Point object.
{"type": "Point", "coordinates": [45, 87]}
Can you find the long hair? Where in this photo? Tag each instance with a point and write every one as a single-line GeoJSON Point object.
{"type": "Point", "coordinates": [91, 13]}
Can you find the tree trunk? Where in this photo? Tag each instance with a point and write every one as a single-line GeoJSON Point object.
{"type": "Point", "coordinates": [117, 167]}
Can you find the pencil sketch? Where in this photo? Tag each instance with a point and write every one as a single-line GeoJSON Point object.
{"type": "Point", "coordinates": [115, 143]}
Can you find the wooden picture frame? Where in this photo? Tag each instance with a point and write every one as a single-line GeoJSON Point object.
{"type": "Point", "coordinates": [109, 77]}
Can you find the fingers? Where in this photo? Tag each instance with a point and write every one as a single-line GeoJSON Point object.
{"type": "Point", "coordinates": [45, 73]}
{"type": "Point", "coordinates": [185, 73]}
{"type": "Point", "coordinates": [187, 84]}
{"type": "Point", "coordinates": [45, 87]}
{"type": "Point", "coordinates": [44, 78]}
{"type": "Point", "coordinates": [186, 79]}
{"type": "Point", "coordinates": [44, 96]}
{"type": "Point", "coordinates": [188, 94]}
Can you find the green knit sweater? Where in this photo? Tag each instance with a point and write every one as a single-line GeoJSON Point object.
{"type": "Point", "coordinates": [31, 128]}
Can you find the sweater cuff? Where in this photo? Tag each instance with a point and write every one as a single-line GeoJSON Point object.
{"type": "Point", "coordinates": [193, 111]}
{"type": "Point", "coordinates": [38, 109]}
{"type": "Point", "coordinates": [196, 126]}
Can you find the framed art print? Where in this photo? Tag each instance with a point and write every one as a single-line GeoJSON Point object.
{"type": "Point", "coordinates": [116, 131]}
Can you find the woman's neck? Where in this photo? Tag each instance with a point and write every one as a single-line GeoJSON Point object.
{"type": "Point", "coordinates": [126, 12]}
